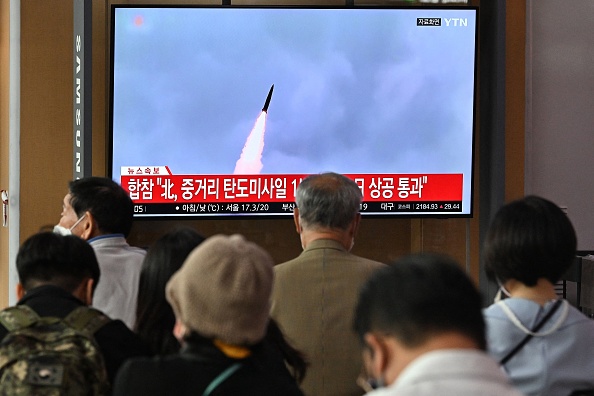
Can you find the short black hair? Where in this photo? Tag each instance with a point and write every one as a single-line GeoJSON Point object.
{"type": "Point", "coordinates": [528, 239]}
{"type": "Point", "coordinates": [106, 200]}
{"type": "Point", "coordinates": [418, 296]}
{"type": "Point", "coordinates": [63, 261]}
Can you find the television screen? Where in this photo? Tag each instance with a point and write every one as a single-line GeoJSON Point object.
{"type": "Point", "coordinates": [223, 110]}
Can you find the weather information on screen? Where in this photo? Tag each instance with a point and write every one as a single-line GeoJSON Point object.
{"type": "Point", "coordinates": [278, 208]}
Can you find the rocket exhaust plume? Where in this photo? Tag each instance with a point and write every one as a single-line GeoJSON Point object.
{"type": "Point", "coordinates": [250, 161]}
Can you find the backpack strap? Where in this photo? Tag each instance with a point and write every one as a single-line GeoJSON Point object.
{"type": "Point", "coordinates": [86, 320]}
{"type": "Point", "coordinates": [18, 317]}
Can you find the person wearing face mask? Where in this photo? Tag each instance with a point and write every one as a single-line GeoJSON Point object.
{"type": "Point", "coordinates": [315, 293]}
{"type": "Point", "coordinates": [420, 323]}
{"type": "Point", "coordinates": [543, 343]}
{"type": "Point", "coordinates": [99, 210]}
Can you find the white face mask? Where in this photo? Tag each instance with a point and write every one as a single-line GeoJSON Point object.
{"type": "Point", "coordinates": [58, 229]}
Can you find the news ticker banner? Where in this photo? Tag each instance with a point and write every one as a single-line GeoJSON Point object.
{"type": "Point", "coordinates": [155, 190]}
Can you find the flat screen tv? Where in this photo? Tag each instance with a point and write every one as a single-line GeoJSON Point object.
{"type": "Point", "coordinates": [222, 110]}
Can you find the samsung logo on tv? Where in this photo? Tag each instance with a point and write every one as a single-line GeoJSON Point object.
{"type": "Point", "coordinates": [454, 22]}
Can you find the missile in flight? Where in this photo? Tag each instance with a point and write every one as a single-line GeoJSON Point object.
{"type": "Point", "coordinates": [267, 103]}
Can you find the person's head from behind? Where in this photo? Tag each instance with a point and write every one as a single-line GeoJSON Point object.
{"type": "Point", "coordinates": [67, 262]}
{"type": "Point", "coordinates": [96, 206]}
{"type": "Point", "coordinates": [154, 316]}
{"type": "Point", "coordinates": [222, 292]}
{"type": "Point", "coordinates": [529, 239]}
{"type": "Point", "coordinates": [328, 204]}
{"type": "Point", "coordinates": [419, 303]}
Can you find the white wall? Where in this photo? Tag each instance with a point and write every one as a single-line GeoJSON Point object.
{"type": "Point", "coordinates": [560, 108]}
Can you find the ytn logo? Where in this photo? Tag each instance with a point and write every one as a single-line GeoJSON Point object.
{"type": "Point", "coordinates": [456, 21]}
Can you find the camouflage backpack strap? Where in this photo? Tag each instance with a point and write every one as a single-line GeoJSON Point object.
{"type": "Point", "coordinates": [86, 320]}
{"type": "Point", "coordinates": [18, 317]}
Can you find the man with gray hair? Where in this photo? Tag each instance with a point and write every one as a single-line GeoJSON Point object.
{"type": "Point", "coordinates": [315, 294]}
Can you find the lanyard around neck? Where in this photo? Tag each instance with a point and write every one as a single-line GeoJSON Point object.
{"type": "Point", "coordinates": [514, 319]}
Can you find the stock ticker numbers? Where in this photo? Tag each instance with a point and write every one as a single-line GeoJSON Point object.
{"type": "Point", "coordinates": [413, 207]}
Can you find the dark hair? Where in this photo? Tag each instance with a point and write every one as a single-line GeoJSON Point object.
{"type": "Point", "coordinates": [419, 296]}
{"type": "Point", "coordinates": [63, 261]}
{"type": "Point", "coordinates": [528, 239]}
{"type": "Point", "coordinates": [294, 358]}
{"type": "Point", "coordinates": [154, 316]}
{"type": "Point", "coordinates": [329, 200]}
{"type": "Point", "coordinates": [106, 200]}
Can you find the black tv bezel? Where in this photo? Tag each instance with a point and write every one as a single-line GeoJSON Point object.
{"type": "Point", "coordinates": [245, 216]}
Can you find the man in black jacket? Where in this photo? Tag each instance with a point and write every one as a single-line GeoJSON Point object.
{"type": "Point", "coordinates": [58, 274]}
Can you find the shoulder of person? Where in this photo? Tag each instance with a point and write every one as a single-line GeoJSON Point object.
{"type": "Point", "coordinates": [116, 334]}
{"type": "Point", "coordinates": [371, 264]}
{"type": "Point", "coordinates": [286, 266]}
{"type": "Point", "coordinates": [136, 376]}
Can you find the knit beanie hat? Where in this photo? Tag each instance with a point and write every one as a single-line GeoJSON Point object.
{"type": "Point", "coordinates": [223, 290]}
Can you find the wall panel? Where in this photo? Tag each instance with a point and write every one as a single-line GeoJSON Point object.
{"type": "Point", "coordinates": [4, 132]}
{"type": "Point", "coordinates": [46, 111]}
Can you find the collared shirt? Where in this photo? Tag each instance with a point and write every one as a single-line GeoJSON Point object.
{"type": "Point", "coordinates": [450, 372]}
{"type": "Point", "coordinates": [120, 264]}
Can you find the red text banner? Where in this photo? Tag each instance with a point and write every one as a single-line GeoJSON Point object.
{"type": "Point", "coordinates": [164, 187]}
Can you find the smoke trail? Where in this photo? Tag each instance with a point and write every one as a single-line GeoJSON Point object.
{"type": "Point", "coordinates": [250, 161]}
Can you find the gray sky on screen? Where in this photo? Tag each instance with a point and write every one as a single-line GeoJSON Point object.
{"type": "Point", "coordinates": [354, 95]}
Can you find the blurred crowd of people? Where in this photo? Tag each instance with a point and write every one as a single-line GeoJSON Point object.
{"type": "Point", "coordinates": [216, 316]}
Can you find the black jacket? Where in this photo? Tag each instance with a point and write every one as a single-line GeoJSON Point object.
{"type": "Point", "coordinates": [192, 370]}
{"type": "Point", "coordinates": [116, 341]}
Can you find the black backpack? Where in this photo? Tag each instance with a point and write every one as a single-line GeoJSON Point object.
{"type": "Point", "coordinates": [52, 356]}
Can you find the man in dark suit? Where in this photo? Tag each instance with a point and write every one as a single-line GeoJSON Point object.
{"type": "Point", "coordinates": [315, 294]}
